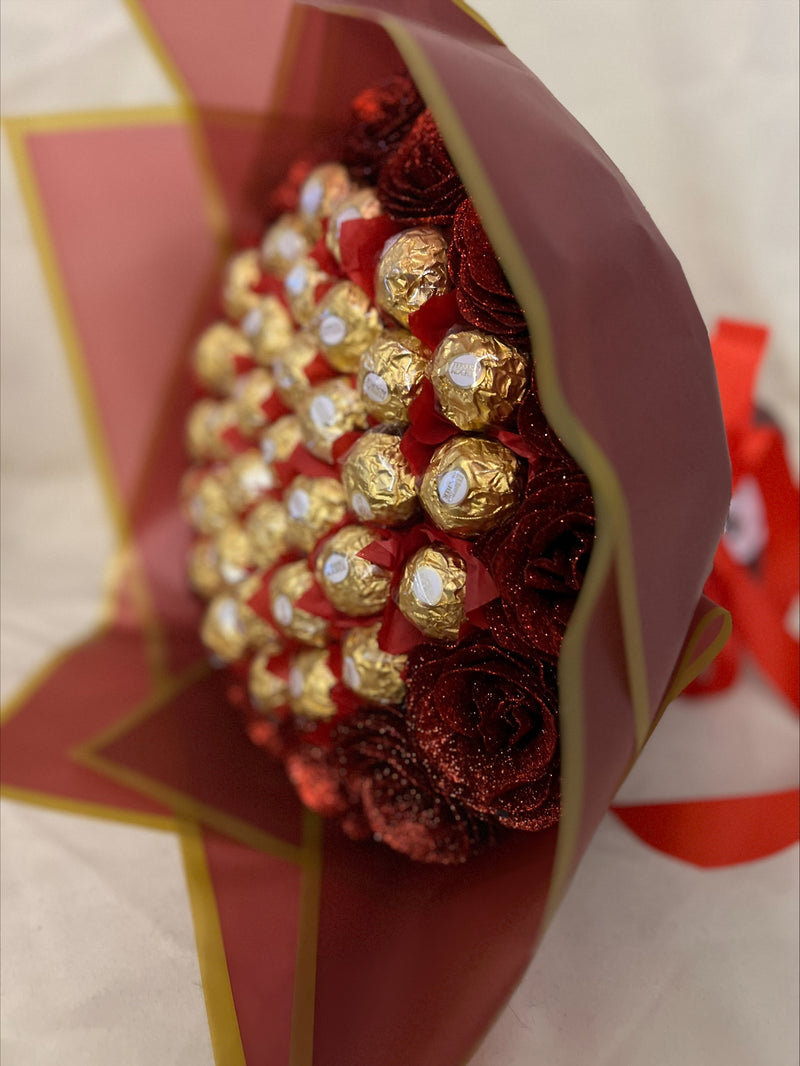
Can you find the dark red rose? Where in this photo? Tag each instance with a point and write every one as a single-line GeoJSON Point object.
{"type": "Point", "coordinates": [419, 184]}
{"type": "Point", "coordinates": [544, 444]}
{"type": "Point", "coordinates": [484, 297]}
{"type": "Point", "coordinates": [485, 721]}
{"type": "Point", "coordinates": [538, 560]}
{"type": "Point", "coordinates": [382, 115]}
{"type": "Point", "coordinates": [322, 787]}
{"type": "Point", "coordinates": [400, 803]}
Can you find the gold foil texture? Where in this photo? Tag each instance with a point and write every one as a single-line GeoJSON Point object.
{"type": "Point", "coordinates": [478, 380]}
{"type": "Point", "coordinates": [248, 479]}
{"type": "Point", "coordinates": [327, 412]}
{"type": "Point", "coordinates": [285, 242]}
{"type": "Point", "coordinates": [235, 553]}
{"type": "Point", "coordinates": [214, 356]}
{"type": "Point", "coordinates": [288, 584]}
{"type": "Point", "coordinates": [412, 268]}
{"type": "Point", "coordinates": [289, 368]}
{"type": "Point", "coordinates": [353, 585]}
{"type": "Point", "coordinates": [432, 590]}
{"type": "Point", "coordinates": [203, 568]}
{"type": "Point", "coordinates": [310, 683]}
{"type": "Point", "coordinates": [266, 526]}
{"type": "Point", "coordinates": [314, 505]}
{"type": "Point", "coordinates": [361, 204]}
{"type": "Point", "coordinates": [373, 674]}
{"type": "Point", "coordinates": [390, 374]}
{"type": "Point", "coordinates": [269, 328]}
{"type": "Point", "coordinates": [268, 692]}
{"type": "Point", "coordinates": [300, 286]}
{"type": "Point", "coordinates": [377, 479]}
{"type": "Point", "coordinates": [206, 425]}
{"type": "Point", "coordinates": [344, 324]}
{"type": "Point", "coordinates": [471, 485]}
{"type": "Point", "coordinates": [322, 190]}
{"type": "Point", "coordinates": [279, 440]}
{"type": "Point", "coordinates": [251, 393]}
{"type": "Point", "coordinates": [205, 499]}
{"type": "Point", "coordinates": [241, 274]}
{"type": "Point", "coordinates": [230, 628]}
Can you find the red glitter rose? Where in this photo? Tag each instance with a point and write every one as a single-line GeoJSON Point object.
{"type": "Point", "coordinates": [382, 115]}
{"type": "Point", "coordinates": [419, 184]}
{"type": "Point", "coordinates": [485, 721]}
{"type": "Point", "coordinates": [538, 560]}
{"type": "Point", "coordinates": [400, 803]}
{"type": "Point", "coordinates": [483, 295]}
{"type": "Point", "coordinates": [322, 787]}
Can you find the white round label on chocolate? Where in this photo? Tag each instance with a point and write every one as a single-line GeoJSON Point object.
{"type": "Point", "coordinates": [322, 411]}
{"type": "Point", "coordinates": [298, 504]}
{"type": "Point", "coordinates": [231, 573]}
{"type": "Point", "coordinates": [296, 280]}
{"type": "Point", "coordinates": [257, 478]}
{"type": "Point", "coordinates": [252, 322]}
{"type": "Point", "coordinates": [289, 244]}
{"type": "Point", "coordinates": [226, 611]}
{"type": "Point", "coordinates": [336, 568]}
{"type": "Point", "coordinates": [332, 330]}
{"type": "Point", "coordinates": [452, 486]}
{"type": "Point", "coordinates": [282, 375]}
{"type": "Point", "coordinates": [360, 504]}
{"type": "Point", "coordinates": [268, 450]}
{"type": "Point", "coordinates": [375, 388]}
{"type": "Point", "coordinates": [465, 370]}
{"type": "Point", "coordinates": [295, 682]}
{"type": "Point", "coordinates": [283, 610]}
{"type": "Point", "coordinates": [427, 586]}
{"type": "Point", "coordinates": [350, 674]}
{"type": "Point", "coordinates": [311, 197]}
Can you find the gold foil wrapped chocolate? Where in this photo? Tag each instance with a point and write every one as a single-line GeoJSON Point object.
{"type": "Point", "coordinates": [215, 354]}
{"type": "Point", "coordinates": [373, 674]}
{"type": "Point", "coordinates": [206, 426]}
{"type": "Point", "coordinates": [288, 584]}
{"type": "Point", "coordinates": [471, 485]}
{"type": "Point", "coordinates": [289, 368]}
{"type": "Point", "coordinates": [310, 683]}
{"type": "Point", "coordinates": [230, 627]}
{"type": "Point", "coordinates": [377, 479]}
{"type": "Point", "coordinates": [390, 374]}
{"type": "Point", "coordinates": [235, 553]}
{"type": "Point", "coordinates": [300, 286]}
{"type": "Point", "coordinates": [279, 440]}
{"type": "Point", "coordinates": [269, 328]}
{"type": "Point", "coordinates": [268, 692]}
{"type": "Point", "coordinates": [286, 241]}
{"type": "Point", "coordinates": [353, 585]}
{"type": "Point", "coordinates": [253, 391]}
{"type": "Point", "coordinates": [432, 590]}
{"type": "Point", "coordinates": [314, 505]}
{"type": "Point", "coordinates": [322, 190]}
{"type": "Point", "coordinates": [412, 268]}
{"type": "Point", "coordinates": [361, 204]}
{"type": "Point", "coordinates": [203, 568]}
{"type": "Point", "coordinates": [205, 499]}
{"type": "Point", "coordinates": [327, 412]}
{"type": "Point", "coordinates": [247, 479]}
{"type": "Point", "coordinates": [242, 273]}
{"type": "Point", "coordinates": [344, 324]}
{"type": "Point", "coordinates": [478, 380]}
{"type": "Point", "coordinates": [266, 526]}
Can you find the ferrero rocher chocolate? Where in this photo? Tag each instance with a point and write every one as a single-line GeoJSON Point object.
{"type": "Point", "coordinates": [285, 242]}
{"type": "Point", "coordinates": [471, 485]}
{"type": "Point", "coordinates": [266, 526]}
{"type": "Point", "coordinates": [290, 365]}
{"type": "Point", "coordinates": [344, 324]}
{"type": "Point", "coordinates": [206, 426]}
{"type": "Point", "coordinates": [478, 379]}
{"type": "Point", "coordinates": [314, 505]}
{"type": "Point", "coordinates": [373, 674]}
{"type": "Point", "coordinates": [260, 634]}
{"type": "Point", "coordinates": [269, 328]}
{"type": "Point", "coordinates": [288, 584]}
{"type": "Point", "coordinates": [251, 394]}
{"type": "Point", "coordinates": [247, 479]}
{"type": "Point", "coordinates": [203, 568]}
{"type": "Point", "coordinates": [268, 692]}
{"type": "Point", "coordinates": [412, 268]}
{"type": "Point", "coordinates": [230, 627]}
{"type": "Point", "coordinates": [431, 592]}
{"type": "Point", "coordinates": [279, 440]}
{"type": "Point", "coordinates": [235, 553]}
{"type": "Point", "coordinates": [205, 499]}
{"type": "Point", "coordinates": [215, 354]}
{"type": "Point", "coordinates": [241, 274]}
{"type": "Point", "coordinates": [377, 479]}
{"type": "Point", "coordinates": [353, 585]}
{"type": "Point", "coordinates": [322, 190]}
{"type": "Point", "coordinates": [327, 412]}
{"type": "Point", "coordinates": [390, 373]}
{"type": "Point", "coordinates": [300, 286]}
{"type": "Point", "coordinates": [361, 204]}
{"type": "Point", "coordinates": [310, 683]}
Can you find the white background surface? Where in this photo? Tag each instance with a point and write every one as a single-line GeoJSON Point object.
{"type": "Point", "coordinates": [649, 962]}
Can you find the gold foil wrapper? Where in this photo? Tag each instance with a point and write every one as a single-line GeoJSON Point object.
{"type": "Point", "coordinates": [471, 485]}
{"type": "Point", "coordinates": [279, 440]}
{"type": "Point", "coordinates": [390, 374]}
{"type": "Point", "coordinates": [361, 204]}
{"type": "Point", "coordinates": [377, 479]}
{"type": "Point", "coordinates": [241, 274]}
{"type": "Point", "coordinates": [314, 505]}
{"type": "Point", "coordinates": [322, 190]}
{"type": "Point", "coordinates": [327, 412]}
{"type": "Point", "coordinates": [345, 323]}
{"type": "Point", "coordinates": [252, 391]}
{"type": "Point", "coordinates": [266, 526]}
{"type": "Point", "coordinates": [288, 584]}
{"type": "Point", "coordinates": [203, 568]}
{"type": "Point", "coordinates": [310, 683]}
{"type": "Point", "coordinates": [214, 356]}
{"type": "Point", "coordinates": [205, 428]}
{"type": "Point", "coordinates": [353, 585]}
{"type": "Point", "coordinates": [412, 268]}
{"type": "Point", "coordinates": [289, 368]}
{"type": "Point", "coordinates": [432, 590]}
{"type": "Point", "coordinates": [300, 286]}
{"type": "Point", "coordinates": [235, 553]}
{"type": "Point", "coordinates": [284, 243]}
{"type": "Point", "coordinates": [247, 479]}
{"type": "Point", "coordinates": [371, 673]}
{"type": "Point", "coordinates": [230, 628]}
{"type": "Point", "coordinates": [478, 379]}
{"type": "Point", "coordinates": [269, 328]}
{"type": "Point", "coordinates": [205, 499]}
{"type": "Point", "coordinates": [260, 634]}
{"type": "Point", "coordinates": [268, 692]}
